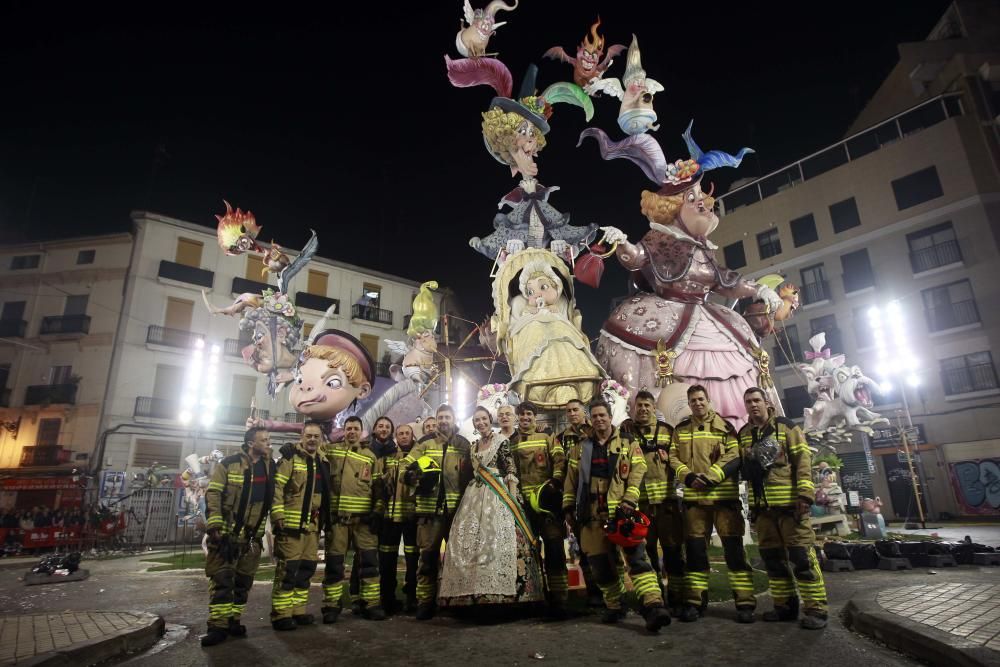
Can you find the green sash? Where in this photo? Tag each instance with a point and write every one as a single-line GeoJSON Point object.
{"type": "Point", "coordinates": [500, 489]}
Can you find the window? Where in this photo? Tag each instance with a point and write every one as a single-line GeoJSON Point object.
{"type": "Point", "coordinates": [769, 243]}
{"type": "Point", "coordinates": [968, 373]}
{"type": "Point", "coordinates": [317, 282]}
{"type": "Point", "coordinates": [168, 382]}
{"type": "Point", "coordinates": [787, 349]}
{"type": "Point", "coordinates": [828, 325]}
{"type": "Point", "coordinates": [933, 247]}
{"type": "Point", "coordinates": [804, 230]}
{"type": "Point", "coordinates": [862, 327]}
{"type": "Point", "coordinates": [857, 271]}
{"type": "Point", "coordinates": [188, 252]}
{"type": "Point", "coordinates": [178, 314]}
{"type": "Point", "coordinates": [373, 295]}
{"type": "Point", "coordinates": [949, 306]}
{"type": "Point", "coordinates": [844, 215]}
{"type": "Point", "coordinates": [60, 374]}
{"type": "Point", "coordinates": [165, 452]}
{"type": "Point", "coordinates": [76, 304]}
{"type": "Point", "coordinates": [21, 262]}
{"type": "Point", "coordinates": [796, 400]}
{"type": "Point", "coordinates": [85, 256]}
{"type": "Point", "coordinates": [917, 188]}
{"type": "Point", "coordinates": [736, 258]}
{"type": "Point", "coordinates": [48, 432]}
{"type": "Point", "coordinates": [243, 391]}
{"type": "Point", "coordinates": [13, 311]}
{"type": "Point", "coordinates": [815, 288]}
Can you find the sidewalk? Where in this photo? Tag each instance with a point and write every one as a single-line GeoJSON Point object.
{"type": "Point", "coordinates": [75, 638]}
{"type": "Point", "coordinates": [947, 623]}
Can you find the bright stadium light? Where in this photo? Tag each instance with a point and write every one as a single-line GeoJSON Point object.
{"type": "Point", "coordinates": [199, 398]}
{"type": "Point", "coordinates": [461, 395]}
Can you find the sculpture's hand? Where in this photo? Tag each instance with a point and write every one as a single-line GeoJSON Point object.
{"type": "Point", "coordinates": [613, 235]}
{"type": "Point", "coordinates": [514, 246]}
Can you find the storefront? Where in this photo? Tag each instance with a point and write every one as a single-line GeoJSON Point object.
{"type": "Point", "coordinates": [53, 492]}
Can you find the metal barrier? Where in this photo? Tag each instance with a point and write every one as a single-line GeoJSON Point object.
{"type": "Point", "coordinates": [150, 516]}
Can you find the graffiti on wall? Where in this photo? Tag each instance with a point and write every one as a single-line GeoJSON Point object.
{"type": "Point", "coordinates": [977, 486]}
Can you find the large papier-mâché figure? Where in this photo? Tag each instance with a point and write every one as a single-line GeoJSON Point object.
{"type": "Point", "coordinates": [669, 330]}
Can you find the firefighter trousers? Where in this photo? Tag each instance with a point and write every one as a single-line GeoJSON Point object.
{"type": "Point", "coordinates": [787, 545]}
{"type": "Point", "coordinates": [431, 532]}
{"type": "Point", "coordinates": [296, 564]}
{"type": "Point", "coordinates": [666, 531]}
{"type": "Point", "coordinates": [339, 537]}
{"type": "Point", "coordinates": [552, 534]}
{"type": "Point", "coordinates": [727, 519]}
{"type": "Point", "coordinates": [604, 559]}
{"type": "Point", "coordinates": [388, 558]}
{"type": "Point", "coordinates": [230, 581]}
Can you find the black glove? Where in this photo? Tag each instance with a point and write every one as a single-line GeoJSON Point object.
{"type": "Point", "coordinates": [287, 450]}
{"type": "Point", "coordinates": [375, 522]}
{"type": "Point", "coordinates": [625, 510]}
{"type": "Point", "coordinates": [555, 484]}
{"type": "Point", "coordinates": [213, 535]}
{"type": "Point", "coordinates": [412, 475]}
{"type": "Point", "coordinates": [689, 478]}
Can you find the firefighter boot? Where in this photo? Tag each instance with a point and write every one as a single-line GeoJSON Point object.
{"type": "Point", "coordinates": [613, 615]}
{"type": "Point", "coordinates": [237, 629]}
{"type": "Point", "coordinates": [214, 636]}
{"type": "Point", "coordinates": [374, 612]}
{"type": "Point", "coordinates": [788, 612]}
{"type": "Point", "coordinates": [425, 611]}
{"type": "Point", "coordinates": [656, 617]}
{"type": "Point", "coordinates": [304, 619]}
{"type": "Point", "coordinates": [284, 624]}
{"type": "Point", "coordinates": [813, 621]}
{"type": "Point", "coordinates": [330, 614]}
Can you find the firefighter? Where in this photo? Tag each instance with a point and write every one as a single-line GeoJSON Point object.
{"type": "Point", "coordinates": [438, 469]}
{"type": "Point", "coordinates": [541, 468]}
{"type": "Point", "coordinates": [399, 523]}
{"type": "Point", "coordinates": [578, 427]}
{"type": "Point", "coordinates": [704, 455]}
{"type": "Point", "coordinates": [301, 507]}
{"type": "Point", "coordinates": [237, 501]}
{"type": "Point", "coordinates": [777, 464]}
{"type": "Point", "coordinates": [602, 488]}
{"type": "Point", "coordinates": [657, 498]}
{"type": "Point", "coordinates": [355, 519]}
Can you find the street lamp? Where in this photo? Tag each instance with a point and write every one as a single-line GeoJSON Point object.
{"type": "Point", "coordinates": [898, 363]}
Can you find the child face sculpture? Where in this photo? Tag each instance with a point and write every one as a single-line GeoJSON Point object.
{"type": "Point", "coordinates": [541, 292]}
{"type": "Point", "coordinates": [321, 392]}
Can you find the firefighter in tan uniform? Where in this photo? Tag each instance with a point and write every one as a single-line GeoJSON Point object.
{"type": "Point", "coordinates": [438, 469]}
{"type": "Point", "coordinates": [777, 464]}
{"type": "Point", "coordinates": [299, 510]}
{"type": "Point", "coordinates": [602, 487]}
{"type": "Point", "coordinates": [356, 509]}
{"type": "Point", "coordinates": [704, 454]}
{"type": "Point", "coordinates": [399, 524]}
{"type": "Point", "coordinates": [237, 501]}
{"type": "Point", "coordinates": [657, 498]}
{"type": "Point", "coordinates": [541, 467]}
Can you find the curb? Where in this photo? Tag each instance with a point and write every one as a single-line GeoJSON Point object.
{"type": "Point", "coordinates": [92, 652]}
{"type": "Point", "coordinates": [865, 615]}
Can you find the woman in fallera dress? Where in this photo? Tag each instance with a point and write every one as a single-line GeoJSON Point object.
{"type": "Point", "coordinates": [491, 556]}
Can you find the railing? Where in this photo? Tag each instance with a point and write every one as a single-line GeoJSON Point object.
{"type": "Point", "coordinates": [234, 346]}
{"type": "Point", "coordinates": [815, 292]}
{"type": "Point", "coordinates": [939, 254]}
{"type": "Point", "coordinates": [158, 408]}
{"type": "Point", "coordinates": [293, 418]}
{"type": "Point", "coordinates": [858, 281]}
{"type": "Point", "coordinates": [186, 274]}
{"type": "Point", "coordinates": [236, 415]}
{"type": "Point", "coordinates": [65, 324]}
{"type": "Point", "coordinates": [371, 314]}
{"type": "Point", "coordinates": [241, 285]}
{"type": "Point", "coordinates": [316, 302]}
{"type": "Point", "coordinates": [157, 335]}
{"type": "Point", "coordinates": [45, 456]}
{"type": "Point", "coordinates": [978, 377]}
{"type": "Point", "coordinates": [953, 315]}
{"type": "Point", "coordinates": [48, 394]}
{"type": "Point", "coordinates": [916, 118]}
{"type": "Point", "coordinates": [13, 328]}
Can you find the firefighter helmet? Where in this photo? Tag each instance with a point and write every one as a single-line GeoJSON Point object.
{"type": "Point", "coordinates": [430, 473]}
{"type": "Point", "coordinates": [545, 500]}
{"type": "Point", "coordinates": [627, 531]}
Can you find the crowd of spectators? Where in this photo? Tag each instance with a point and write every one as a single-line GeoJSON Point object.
{"type": "Point", "coordinates": [42, 517]}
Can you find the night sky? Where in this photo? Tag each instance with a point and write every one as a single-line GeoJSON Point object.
{"type": "Point", "coordinates": [344, 121]}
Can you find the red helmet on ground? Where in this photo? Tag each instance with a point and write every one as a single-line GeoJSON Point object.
{"type": "Point", "coordinates": [628, 531]}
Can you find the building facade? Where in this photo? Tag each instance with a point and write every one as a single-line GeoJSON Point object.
{"type": "Point", "coordinates": [906, 208]}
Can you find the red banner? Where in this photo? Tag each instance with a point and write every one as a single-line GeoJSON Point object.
{"type": "Point", "coordinates": [37, 538]}
{"type": "Point", "coordinates": [38, 483]}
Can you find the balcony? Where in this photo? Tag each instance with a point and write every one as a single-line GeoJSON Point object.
{"type": "Point", "coordinates": [45, 456]}
{"type": "Point", "coordinates": [180, 338]}
{"type": "Point", "coordinates": [316, 302]}
{"type": "Point", "coordinates": [186, 274]}
{"type": "Point", "coordinates": [815, 292]}
{"type": "Point", "coordinates": [233, 347]}
{"type": "Point", "coordinates": [939, 254]}
{"type": "Point", "coordinates": [165, 408]}
{"type": "Point", "coordinates": [242, 285]}
{"type": "Point", "coordinates": [50, 394]}
{"type": "Point", "coordinates": [952, 315]}
{"type": "Point", "coordinates": [975, 377]}
{"type": "Point", "coordinates": [65, 325]}
{"type": "Point", "coordinates": [371, 314]}
{"type": "Point", "coordinates": [13, 328]}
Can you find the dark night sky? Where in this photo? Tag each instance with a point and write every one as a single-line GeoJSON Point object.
{"type": "Point", "coordinates": [347, 124]}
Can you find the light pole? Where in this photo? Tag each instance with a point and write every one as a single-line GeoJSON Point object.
{"type": "Point", "coordinates": [888, 325]}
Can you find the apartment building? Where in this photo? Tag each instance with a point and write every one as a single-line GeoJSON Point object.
{"type": "Point", "coordinates": [905, 208]}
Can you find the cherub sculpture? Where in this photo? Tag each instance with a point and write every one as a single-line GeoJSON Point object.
{"type": "Point", "coordinates": [588, 65]}
{"type": "Point", "coordinates": [478, 26]}
{"type": "Point", "coordinates": [635, 90]}
{"type": "Point", "coordinates": [420, 350]}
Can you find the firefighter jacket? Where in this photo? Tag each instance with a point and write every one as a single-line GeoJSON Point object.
{"type": "Point", "coordinates": [538, 457]}
{"type": "Point", "coordinates": [706, 446]}
{"type": "Point", "coordinates": [452, 456]}
{"type": "Point", "coordinates": [400, 504]}
{"type": "Point", "coordinates": [301, 491]}
{"type": "Point", "coordinates": [355, 479]}
{"type": "Point", "coordinates": [228, 505]}
{"type": "Point", "coordinates": [790, 477]}
{"type": "Point", "coordinates": [572, 435]}
{"type": "Point", "coordinates": [654, 441]}
{"type": "Point", "coordinates": [583, 493]}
